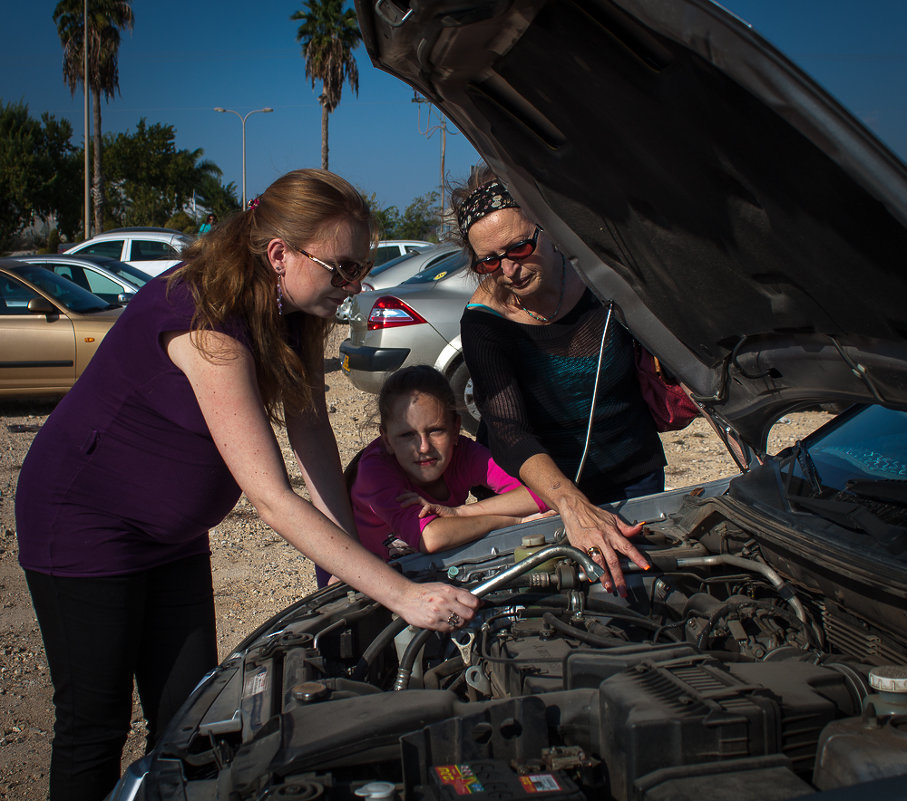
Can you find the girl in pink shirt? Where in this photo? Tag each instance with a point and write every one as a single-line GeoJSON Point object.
{"type": "Point", "coordinates": [412, 482]}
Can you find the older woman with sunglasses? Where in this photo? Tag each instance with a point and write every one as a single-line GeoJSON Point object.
{"type": "Point", "coordinates": [532, 336]}
{"type": "Point", "coordinates": [170, 421]}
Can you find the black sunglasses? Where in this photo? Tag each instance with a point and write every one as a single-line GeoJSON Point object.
{"type": "Point", "coordinates": [344, 272]}
{"type": "Point", "coordinates": [518, 252]}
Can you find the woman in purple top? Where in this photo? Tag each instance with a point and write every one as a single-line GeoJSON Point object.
{"type": "Point", "coordinates": [171, 420]}
{"type": "Point", "coordinates": [412, 483]}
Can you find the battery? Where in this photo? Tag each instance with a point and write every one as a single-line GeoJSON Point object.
{"type": "Point", "coordinates": [489, 779]}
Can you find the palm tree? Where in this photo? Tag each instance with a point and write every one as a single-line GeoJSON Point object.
{"type": "Point", "coordinates": [329, 35]}
{"type": "Point", "coordinates": [105, 20]}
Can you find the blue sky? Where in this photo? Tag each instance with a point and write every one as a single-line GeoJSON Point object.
{"type": "Point", "coordinates": [184, 58]}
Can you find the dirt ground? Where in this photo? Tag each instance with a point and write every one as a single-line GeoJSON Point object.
{"type": "Point", "coordinates": [255, 572]}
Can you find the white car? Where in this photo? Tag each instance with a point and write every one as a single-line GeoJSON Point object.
{"type": "Point", "coordinates": [109, 279]}
{"type": "Point", "coordinates": [152, 250]}
{"type": "Point", "coordinates": [388, 249]}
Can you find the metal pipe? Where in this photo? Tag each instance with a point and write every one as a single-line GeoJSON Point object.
{"type": "Point", "coordinates": [768, 573]}
{"type": "Point", "coordinates": [592, 570]}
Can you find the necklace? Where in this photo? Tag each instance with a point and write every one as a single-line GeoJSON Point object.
{"type": "Point", "coordinates": [540, 317]}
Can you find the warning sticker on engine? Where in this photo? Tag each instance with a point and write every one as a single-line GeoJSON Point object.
{"type": "Point", "coordinates": [460, 779]}
{"type": "Point", "coordinates": [539, 783]}
{"type": "Point", "coordinates": [257, 683]}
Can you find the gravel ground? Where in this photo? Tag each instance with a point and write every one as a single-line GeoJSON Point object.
{"type": "Point", "coordinates": [255, 572]}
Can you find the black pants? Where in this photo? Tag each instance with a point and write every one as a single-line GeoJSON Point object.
{"type": "Point", "coordinates": [157, 625]}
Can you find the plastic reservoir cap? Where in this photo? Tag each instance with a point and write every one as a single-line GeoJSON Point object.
{"type": "Point", "coordinates": [376, 791]}
{"type": "Point", "coordinates": [533, 540]}
{"type": "Point", "coordinates": [889, 679]}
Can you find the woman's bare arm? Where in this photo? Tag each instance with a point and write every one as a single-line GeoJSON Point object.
{"type": "Point", "coordinates": [228, 396]}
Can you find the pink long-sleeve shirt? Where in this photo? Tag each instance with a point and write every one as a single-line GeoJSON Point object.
{"type": "Point", "coordinates": [380, 481]}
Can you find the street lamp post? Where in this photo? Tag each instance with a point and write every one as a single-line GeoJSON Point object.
{"type": "Point", "coordinates": [243, 120]}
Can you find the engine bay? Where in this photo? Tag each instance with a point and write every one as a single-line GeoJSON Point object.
{"type": "Point", "coordinates": [718, 675]}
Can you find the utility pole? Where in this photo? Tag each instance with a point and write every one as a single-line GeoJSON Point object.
{"type": "Point", "coordinates": [428, 133]}
{"type": "Point", "coordinates": [87, 229]}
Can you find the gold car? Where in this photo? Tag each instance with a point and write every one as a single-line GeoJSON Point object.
{"type": "Point", "coordinates": [49, 330]}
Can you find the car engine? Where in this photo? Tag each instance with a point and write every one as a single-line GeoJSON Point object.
{"type": "Point", "coordinates": [734, 669]}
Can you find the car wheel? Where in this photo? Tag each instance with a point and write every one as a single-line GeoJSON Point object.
{"type": "Point", "coordinates": [461, 382]}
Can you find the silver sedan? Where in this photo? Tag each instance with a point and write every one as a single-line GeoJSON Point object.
{"type": "Point", "coordinates": [417, 322]}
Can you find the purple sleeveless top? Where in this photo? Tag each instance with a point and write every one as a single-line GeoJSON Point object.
{"type": "Point", "coordinates": [124, 475]}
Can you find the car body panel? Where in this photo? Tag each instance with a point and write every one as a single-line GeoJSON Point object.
{"type": "Point", "coordinates": [798, 214]}
{"type": "Point", "coordinates": [44, 353]}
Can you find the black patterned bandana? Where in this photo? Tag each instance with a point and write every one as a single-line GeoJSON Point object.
{"type": "Point", "coordinates": [488, 198]}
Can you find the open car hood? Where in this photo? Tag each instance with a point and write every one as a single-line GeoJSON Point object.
{"type": "Point", "coordinates": [749, 229]}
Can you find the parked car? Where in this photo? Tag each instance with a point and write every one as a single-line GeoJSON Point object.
{"type": "Point", "coordinates": [396, 271]}
{"type": "Point", "coordinates": [49, 330]}
{"type": "Point", "coordinates": [152, 250]}
{"type": "Point", "coordinates": [749, 230]}
{"type": "Point", "coordinates": [388, 249]}
{"type": "Point", "coordinates": [417, 322]}
{"type": "Point", "coordinates": [111, 280]}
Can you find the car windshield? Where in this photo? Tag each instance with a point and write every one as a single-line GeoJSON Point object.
{"type": "Point", "coordinates": [442, 269]}
{"type": "Point", "coordinates": [868, 446]}
{"type": "Point", "coordinates": [853, 473]}
{"type": "Point", "coordinates": [391, 263]}
{"type": "Point", "coordinates": [65, 292]}
{"type": "Point", "coordinates": [127, 272]}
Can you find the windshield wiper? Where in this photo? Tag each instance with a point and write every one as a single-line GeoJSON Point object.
{"type": "Point", "coordinates": [800, 454]}
{"type": "Point", "coordinates": [856, 517]}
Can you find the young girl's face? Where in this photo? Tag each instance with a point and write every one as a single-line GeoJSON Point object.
{"type": "Point", "coordinates": [421, 433]}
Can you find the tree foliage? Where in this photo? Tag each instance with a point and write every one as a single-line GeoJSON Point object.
{"type": "Point", "coordinates": [418, 221]}
{"type": "Point", "coordinates": [39, 172]}
{"type": "Point", "coordinates": [106, 18]}
{"type": "Point", "coordinates": [329, 35]}
{"type": "Point", "coordinates": [150, 180]}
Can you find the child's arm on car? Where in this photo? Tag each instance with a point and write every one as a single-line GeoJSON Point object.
{"type": "Point", "coordinates": [460, 524]}
{"type": "Point", "coordinates": [516, 503]}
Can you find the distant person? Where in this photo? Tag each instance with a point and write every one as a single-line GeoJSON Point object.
{"type": "Point", "coordinates": [412, 482]}
{"type": "Point", "coordinates": [169, 423]}
{"type": "Point", "coordinates": [207, 225]}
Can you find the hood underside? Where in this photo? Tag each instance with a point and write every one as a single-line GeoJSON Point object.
{"type": "Point", "coordinates": [749, 229]}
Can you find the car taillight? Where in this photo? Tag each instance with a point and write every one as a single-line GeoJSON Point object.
{"type": "Point", "coordinates": [389, 312]}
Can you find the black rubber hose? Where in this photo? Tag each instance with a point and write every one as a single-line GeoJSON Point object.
{"type": "Point", "coordinates": [579, 634]}
{"type": "Point", "coordinates": [384, 638]}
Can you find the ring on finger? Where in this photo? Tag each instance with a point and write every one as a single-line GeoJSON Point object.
{"type": "Point", "coordinates": [454, 619]}
{"type": "Point", "coordinates": [594, 551]}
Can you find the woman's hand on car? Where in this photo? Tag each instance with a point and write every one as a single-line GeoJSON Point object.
{"type": "Point", "coordinates": [604, 537]}
{"type": "Point", "coordinates": [437, 606]}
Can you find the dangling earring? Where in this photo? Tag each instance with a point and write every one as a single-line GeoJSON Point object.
{"type": "Point", "coordinates": [279, 296]}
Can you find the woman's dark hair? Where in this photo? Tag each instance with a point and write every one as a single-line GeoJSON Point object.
{"type": "Point", "coordinates": [459, 194]}
{"type": "Point", "coordinates": [417, 378]}
{"type": "Point", "coordinates": [231, 278]}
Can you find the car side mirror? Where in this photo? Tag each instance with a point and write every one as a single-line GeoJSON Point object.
{"type": "Point", "coordinates": [42, 306]}
{"type": "Point", "coordinates": [124, 297]}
